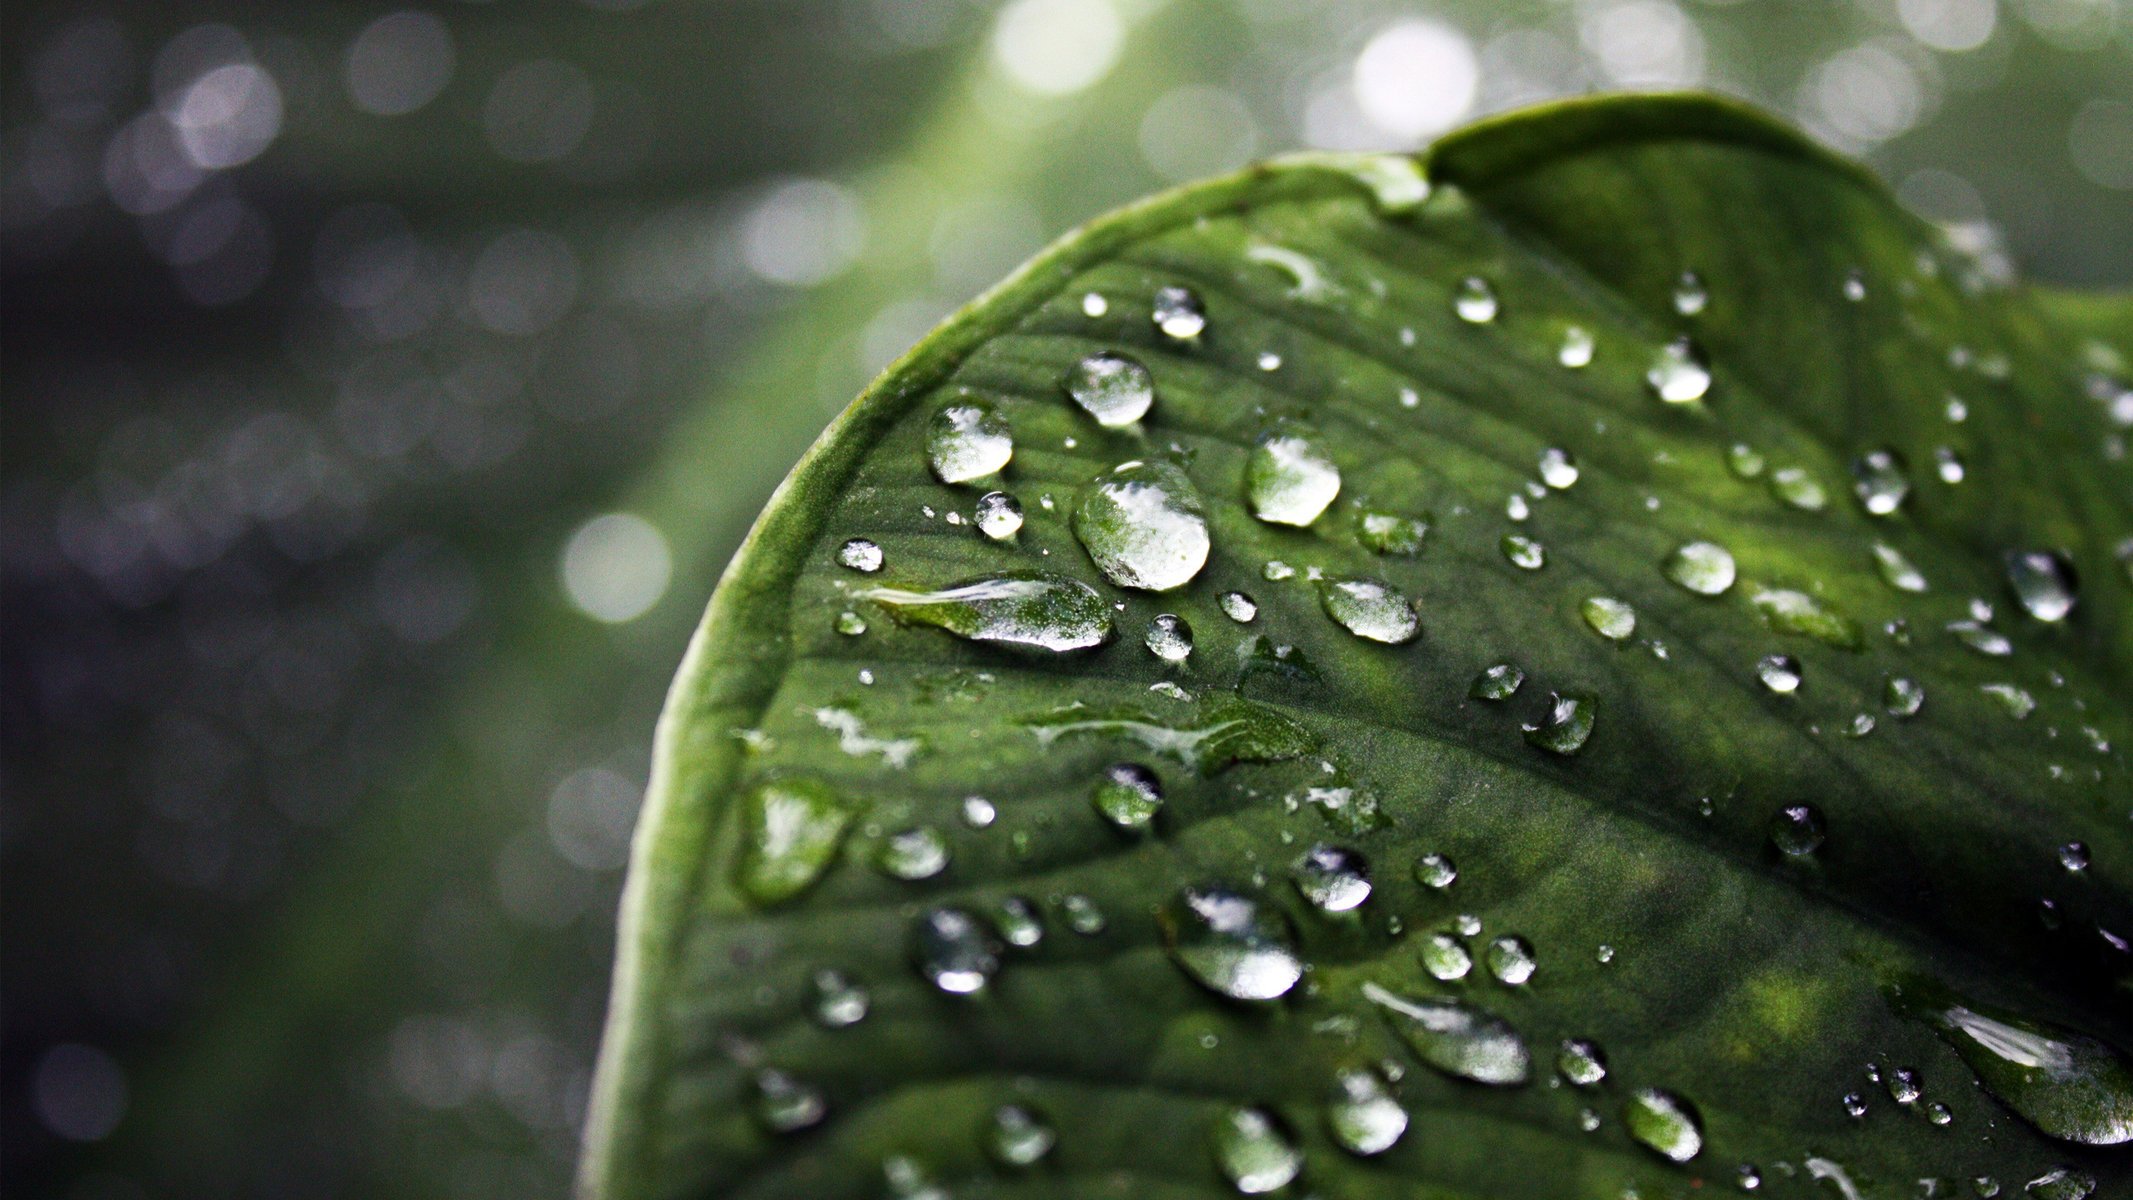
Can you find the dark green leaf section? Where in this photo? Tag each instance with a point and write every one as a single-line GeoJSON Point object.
{"type": "Point", "coordinates": [1714, 831]}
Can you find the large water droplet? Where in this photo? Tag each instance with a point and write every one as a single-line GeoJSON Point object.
{"type": "Point", "coordinates": [1016, 608]}
{"type": "Point", "coordinates": [1129, 795]}
{"type": "Point", "coordinates": [1880, 481]}
{"type": "Point", "coordinates": [1169, 638]}
{"type": "Point", "coordinates": [1018, 1137]}
{"type": "Point", "coordinates": [954, 950]}
{"type": "Point", "coordinates": [1144, 526]}
{"type": "Point", "coordinates": [1370, 609]}
{"type": "Point", "coordinates": [1362, 1114]}
{"type": "Point", "coordinates": [968, 440]}
{"type": "Point", "coordinates": [1565, 725]}
{"type": "Point", "coordinates": [1705, 568]}
{"type": "Point", "coordinates": [794, 825]}
{"type": "Point", "coordinates": [1664, 1123]}
{"type": "Point", "coordinates": [1332, 878]}
{"type": "Point", "coordinates": [1254, 1152]}
{"type": "Point", "coordinates": [1677, 375]}
{"type": "Point", "coordinates": [1289, 480]}
{"type": "Point", "coordinates": [1231, 943]}
{"type": "Point", "coordinates": [1114, 389]}
{"type": "Point", "coordinates": [1178, 313]}
{"type": "Point", "coordinates": [2061, 1183]}
{"type": "Point", "coordinates": [2070, 1086]}
{"type": "Point", "coordinates": [1456, 1038]}
{"type": "Point", "coordinates": [2044, 582]}
{"type": "Point", "coordinates": [999, 516]}
{"type": "Point", "coordinates": [1612, 619]}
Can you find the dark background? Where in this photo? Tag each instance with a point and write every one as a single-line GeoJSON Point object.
{"type": "Point", "coordinates": [384, 389]}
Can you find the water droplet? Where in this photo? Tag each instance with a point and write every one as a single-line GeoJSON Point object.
{"type": "Point", "coordinates": [1177, 312]}
{"type": "Point", "coordinates": [978, 812]}
{"type": "Point", "coordinates": [1362, 1114]}
{"type": "Point", "coordinates": [1445, 957]}
{"type": "Point", "coordinates": [1576, 349]}
{"type": "Point", "coordinates": [908, 1179]}
{"type": "Point", "coordinates": [860, 555]}
{"type": "Point", "coordinates": [1144, 526]}
{"type": "Point", "coordinates": [2015, 701]}
{"type": "Point", "coordinates": [1094, 305]}
{"type": "Point", "coordinates": [1276, 571]}
{"type": "Point", "coordinates": [1747, 1178]}
{"type": "Point", "coordinates": [1903, 1085]}
{"type": "Point", "coordinates": [1705, 568]}
{"type": "Point", "coordinates": [2044, 582]}
{"type": "Point", "coordinates": [1581, 1062]}
{"type": "Point", "coordinates": [1016, 608]}
{"type": "Point", "coordinates": [794, 826]}
{"type": "Point", "coordinates": [968, 440]}
{"type": "Point", "coordinates": [786, 1105]}
{"type": "Point", "coordinates": [1796, 487]}
{"type": "Point", "coordinates": [1017, 1137]}
{"type": "Point", "coordinates": [1880, 481]}
{"type": "Point", "coordinates": [1677, 375]}
{"type": "Point", "coordinates": [2061, 1183]}
{"type": "Point", "coordinates": [1129, 795]}
{"type": "Point", "coordinates": [913, 854]}
{"type": "Point", "coordinates": [1523, 552]}
{"type": "Point", "coordinates": [1390, 533]}
{"type": "Point", "coordinates": [1436, 872]}
{"type": "Point", "coordinates": [1985, 640]}
{"type": "Point", "coordinates": [1017, 922]}
{"type": "Point", "coordinates": [1788, 611]}
{"type": "Point", "coordinates": [1082, 914]}
{"type": "Point", "coordinates": [999, 516]}
{"type": "Point", "coordinates": [1744, 460]}
{"type": "Point", "coordinates": [1565, 725]}
{"type": "Point", "coordinates": [1664, 1123]}
{"type": "Point", "coordinates": [1333, 879]}
{"type": "Point", "coordinates": [1854, 287]}
{"type": "Point", "coordinates": [1797, 830]}
{"type": "Point", "coordinates": [1456, 1038]}
{"type": "Point", "coordinates": [1169, 638]}
{"type": "Point", "coordinates": [839, 1002]}
{"type": "Point", "coordinates": [1557, 469]}
{"type": "Point", "coordinates": [1854, 1105]}
{"type": "Point", "coordinates": [1114, 389]}
{"type": "Point", "coordinates": [2074, 856]}
{"type": "Point", "coordinates": [1612, 619]}
{"type": "Point", "coordinates": [1779, 672]}
{"type": "Point", "coordinates": [954, 950]}
{"type": "Point", "coordinates": [1475, 301]}
{"type": "Point", "coordinates": [851, 624]}
{"type": "Point", "coordinates": [1949, 464]}
{"type": "Point", "coordinates": [1499, 681]}
{"type": "Point", "coordinates": [1239, 607]}
{"type": "Point", "coordinates": [1370, 609]}
{"type": "Point", "coordinates": [1897, 570]}
{"type": "Point", "coordinates": [1268, 361]}
{"type": "Point", "coordinates": [1254, 1151]}
{"type": "Point", "coordinates": [1231, 943]}
{"type": "Point", "coordinates": [1511, 960]}
{"type": "Point", "coordinates": [1690, 295]}
{"type": "Point", "coordinates": [1288, 479]}
{"type": "Point", "coordinates": [1902, 696]}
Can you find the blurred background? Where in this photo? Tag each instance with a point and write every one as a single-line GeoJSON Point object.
{"type": "Point", "coordinates": [385, 387]}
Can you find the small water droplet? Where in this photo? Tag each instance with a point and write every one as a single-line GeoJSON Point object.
{"type": "Point", "coordinates": [1445, 957]}
{"type": "Point", "coordinates": [1747, 1178]}
{"type": "Point", "coordinates": [1897, 570]}
{"type": "Point", "coordinates": [913, 854]}
{"type": "Point", "coordinates": [1690, 295]}
{"type": "Point", "coordinates": [1114, 389]}
{"type": "Point", "coordinates": [1177, 312]}
{"type": "Point", "coordinates": [1744, 460]}
{"type": "Point", "coordinates": [839, 1002]}
{"type": "Point", "coordinates": [1390, 533]}
{"type": "Point", "coordinates": [1794, 612]}
{"type": "Point", "coordinates": [1557, 468]}
{"type": "Point", "coordinates": [2015, 701]}
{"type": "Point", "coordinates": [1511, 960]}
{"type": "Point", "coordinates": [1796, 487]}
{"type": "Point", "coordinates": [1576, 349]}
{"type": "Point", "coordinates": [1094, 305]}
{"type": "Point", "coordinates": [1456, 1038]}
{"type": "Point", "coordinates": [1017, 922]}
{"type": "Point", "coordinates": [954, 950]}
{"type": "Point", "coordinates": [1499, 681]}
{"type": "Point", "coordinates": [1797, 830]}
{"type": "Point", "coordinates": [1169, 638]}
{"type": "Point", "coordinates": [1231, 943]}
{"type": "Point", "coordinates": [1018, 1137]}
{"type": "Point", "coordinates": [851, 624]}
{"type": "Point", "coordinates": [786, 1105]}
{"type": "Point", "coordinates": [1362, 1114]}
{"type": "Point", "coordinates": [1612, 619]}
{"type": "Point", "coordinates": [1979, 637]}
{"type": "Point", "coordinates": [1370, 609]}
{"type": "Point", "coordinates": [1705, 568]}
{"type": "Point", "coordinates": [2044, 581]}
{"type": "Point", "coordinates": [999, 516]}
{"type": "Point", "coordinates": [1581, 1062]}
{"type": "Point", "coordinates": [1949, 465]}
{"type": "Point", "coordinates": [1880, 481]}
{"type": "Point", "coordinates": [860, 555]}
{"type": "Point", "coordinates": [1288, 478]}
{"type": "Point", "coordinates": [1332, 878]}
{"type": "Point", "coordinates": [1664, 1123]}
{"type": "Point", "coordinates": [1854, 287]}
{"type": "Point", "coordinates": [1017, 608]}
{"type": "Point", "coordinates": [979, 813]}
{"type": "Point", "coordinates": [1903, 1085]}
{"type": "Point", "coordinates": [968, 440]}
{"type": "Point", "coordinates": [1128, 795]}
{"type": "Point", "coordinates": [1475, 301]}
{"type": "Point", "coordinates": [1902, 696]}
{"type": "Point", "coordinates": [1566, 724]}
{"type": "Point", "coordinates": [1082, 914]}
{"type": "Point", "coordinates": [1144, 526]}
{"type": "Point", "coordinates": [1779, 672]}
{"type": "Point", "coordinates": [1677, 375]}
{"type": "Point", "coordinates": [1523, 552]}
{"type": "Point", "coordinates": [1239, 607]}
{"type": "Point", "coordinates": [1254, 1152]}
{"type": "Point", "coordinates": [1436, 872]}
{"type": "Point", "coordinates": [794, 826]}
{"type": "Point", "coordinates": [2074, 856]}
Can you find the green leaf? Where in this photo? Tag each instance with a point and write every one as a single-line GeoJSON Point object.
{"type": "Point", "coordinates": [1779, 772]}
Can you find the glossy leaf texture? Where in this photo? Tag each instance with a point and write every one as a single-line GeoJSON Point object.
{"type": "Point", "coordinates": [1592, 661]}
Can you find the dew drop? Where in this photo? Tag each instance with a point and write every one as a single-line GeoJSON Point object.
{"type": "Point", "coordinates": [979, 813]}
{"type": "Point", "coordinates": [1094, 305]}
{"type": "Point", "coordinates": [1475, 301]}
{"type": "Point", "coordinates": [1128, 795]}
{"type": "Point", "coordinates": [786, 1105]}
{"type": "Point", "coordinates": [2060, 1183]}
{"type": "Point", "coordinates": [850, 624]}
{"type": "Point", "coordinates": [1511, 960]}
{"type": "Point", "coordinates": [1017, 1137]}
{"type": "Point", "coordinates": [839, 1003]}
{"type": "Point", "coordinates": [1796, 487]}
{"type": "Point", "coordinates": [1288, 479]}
{"type": "Point", "coordinates": [1169, 638]}
{"type": "Point", "coordinates": [913, 854]}
{"type": "Point", "coordinates": [1370, 609]}
{"type": "Point", "coordinates": [1612, 619]}
{"type": "Point", "coordinates": [1332, 878]}
{"type": "Point", "coordinates": [1793, 612]}
{"type": "Point", "coordinates": [1949, 465]}
{"type": "Point", "coordinates": [2074, 856]}
{"type": "Point", "coordinates": [1566, 724]}
{"type": "Point", "coordinates": [999, 516]}
{"type": "Point", "coordinates": [1557, 468]}
{"type": "Point", "coordinates": [1982, 638]}
{"type": "Point", "coordinates": [1231, 944]}
{"type": "Point", "coordinates": [1445, 957]}
{"type": "Point", "coordinates": [1017, 922]}
{"type": "Point", "coordinates": [1897, 570]}
{"type": "Point", "coordinates": [2013, 700]}
{"type": "Point", "coordinates": [1144, 526]}
{"type": "Point", "coordinates": [1114, 389]}
{"type": "Point", "coordinates": [1664, 1123]}
{"type": "Point", "coordinates": [1436, 872]}
{"type": "Point", "coordinates": [1016, 608]}
{"type": "Point", "coordinates": [1690, 295]}
{"type": "Point", "coordinates": [1581, 1063]}
{"type": "Point", "coordinates": [1390, 533]}
{"type": "Point", "coordinates": [1797, 830]}
{"type": "Point", "coordinates": [1575, 351]}
{"type": "Point", "coordinates": [1177, 312]}
{"type": "Point", "coordinates": [1880, 481]}
{"type": "Point", "coordinates": [1902, 696]}
{"type": "Point", "coordinates": [1254, 1152]}
{"type": "Point", "coordinates": [1677, 375]}
{"type": "Point", "coordinates": [1362, 1115]}
{"type": "Point", "coordinates": [1705, 568]}
{"type": "Point", "coordinates": [968, 440]}
{"type": "Point", "coordinates": [1499, 681]}
{"type": "Point", "coordinates": [1456, 1038]}
{"type": "Point", "coordinates": [860, 555]}
{"type": "Point", "coordinates": [1523, 552]}
{"type": "Point", "coordinates": [1779, 672]}
{"type": "Point", "coordinates": [954, 950]}
{"type": "Point", "coordinates": [794, 827]}
{"type": "Point", "coordinates": [1239, 607]}
{"type": "Point", "coordinates": [2044, 582]}
{"type": "Point", "coordinates": [1744, 460]}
